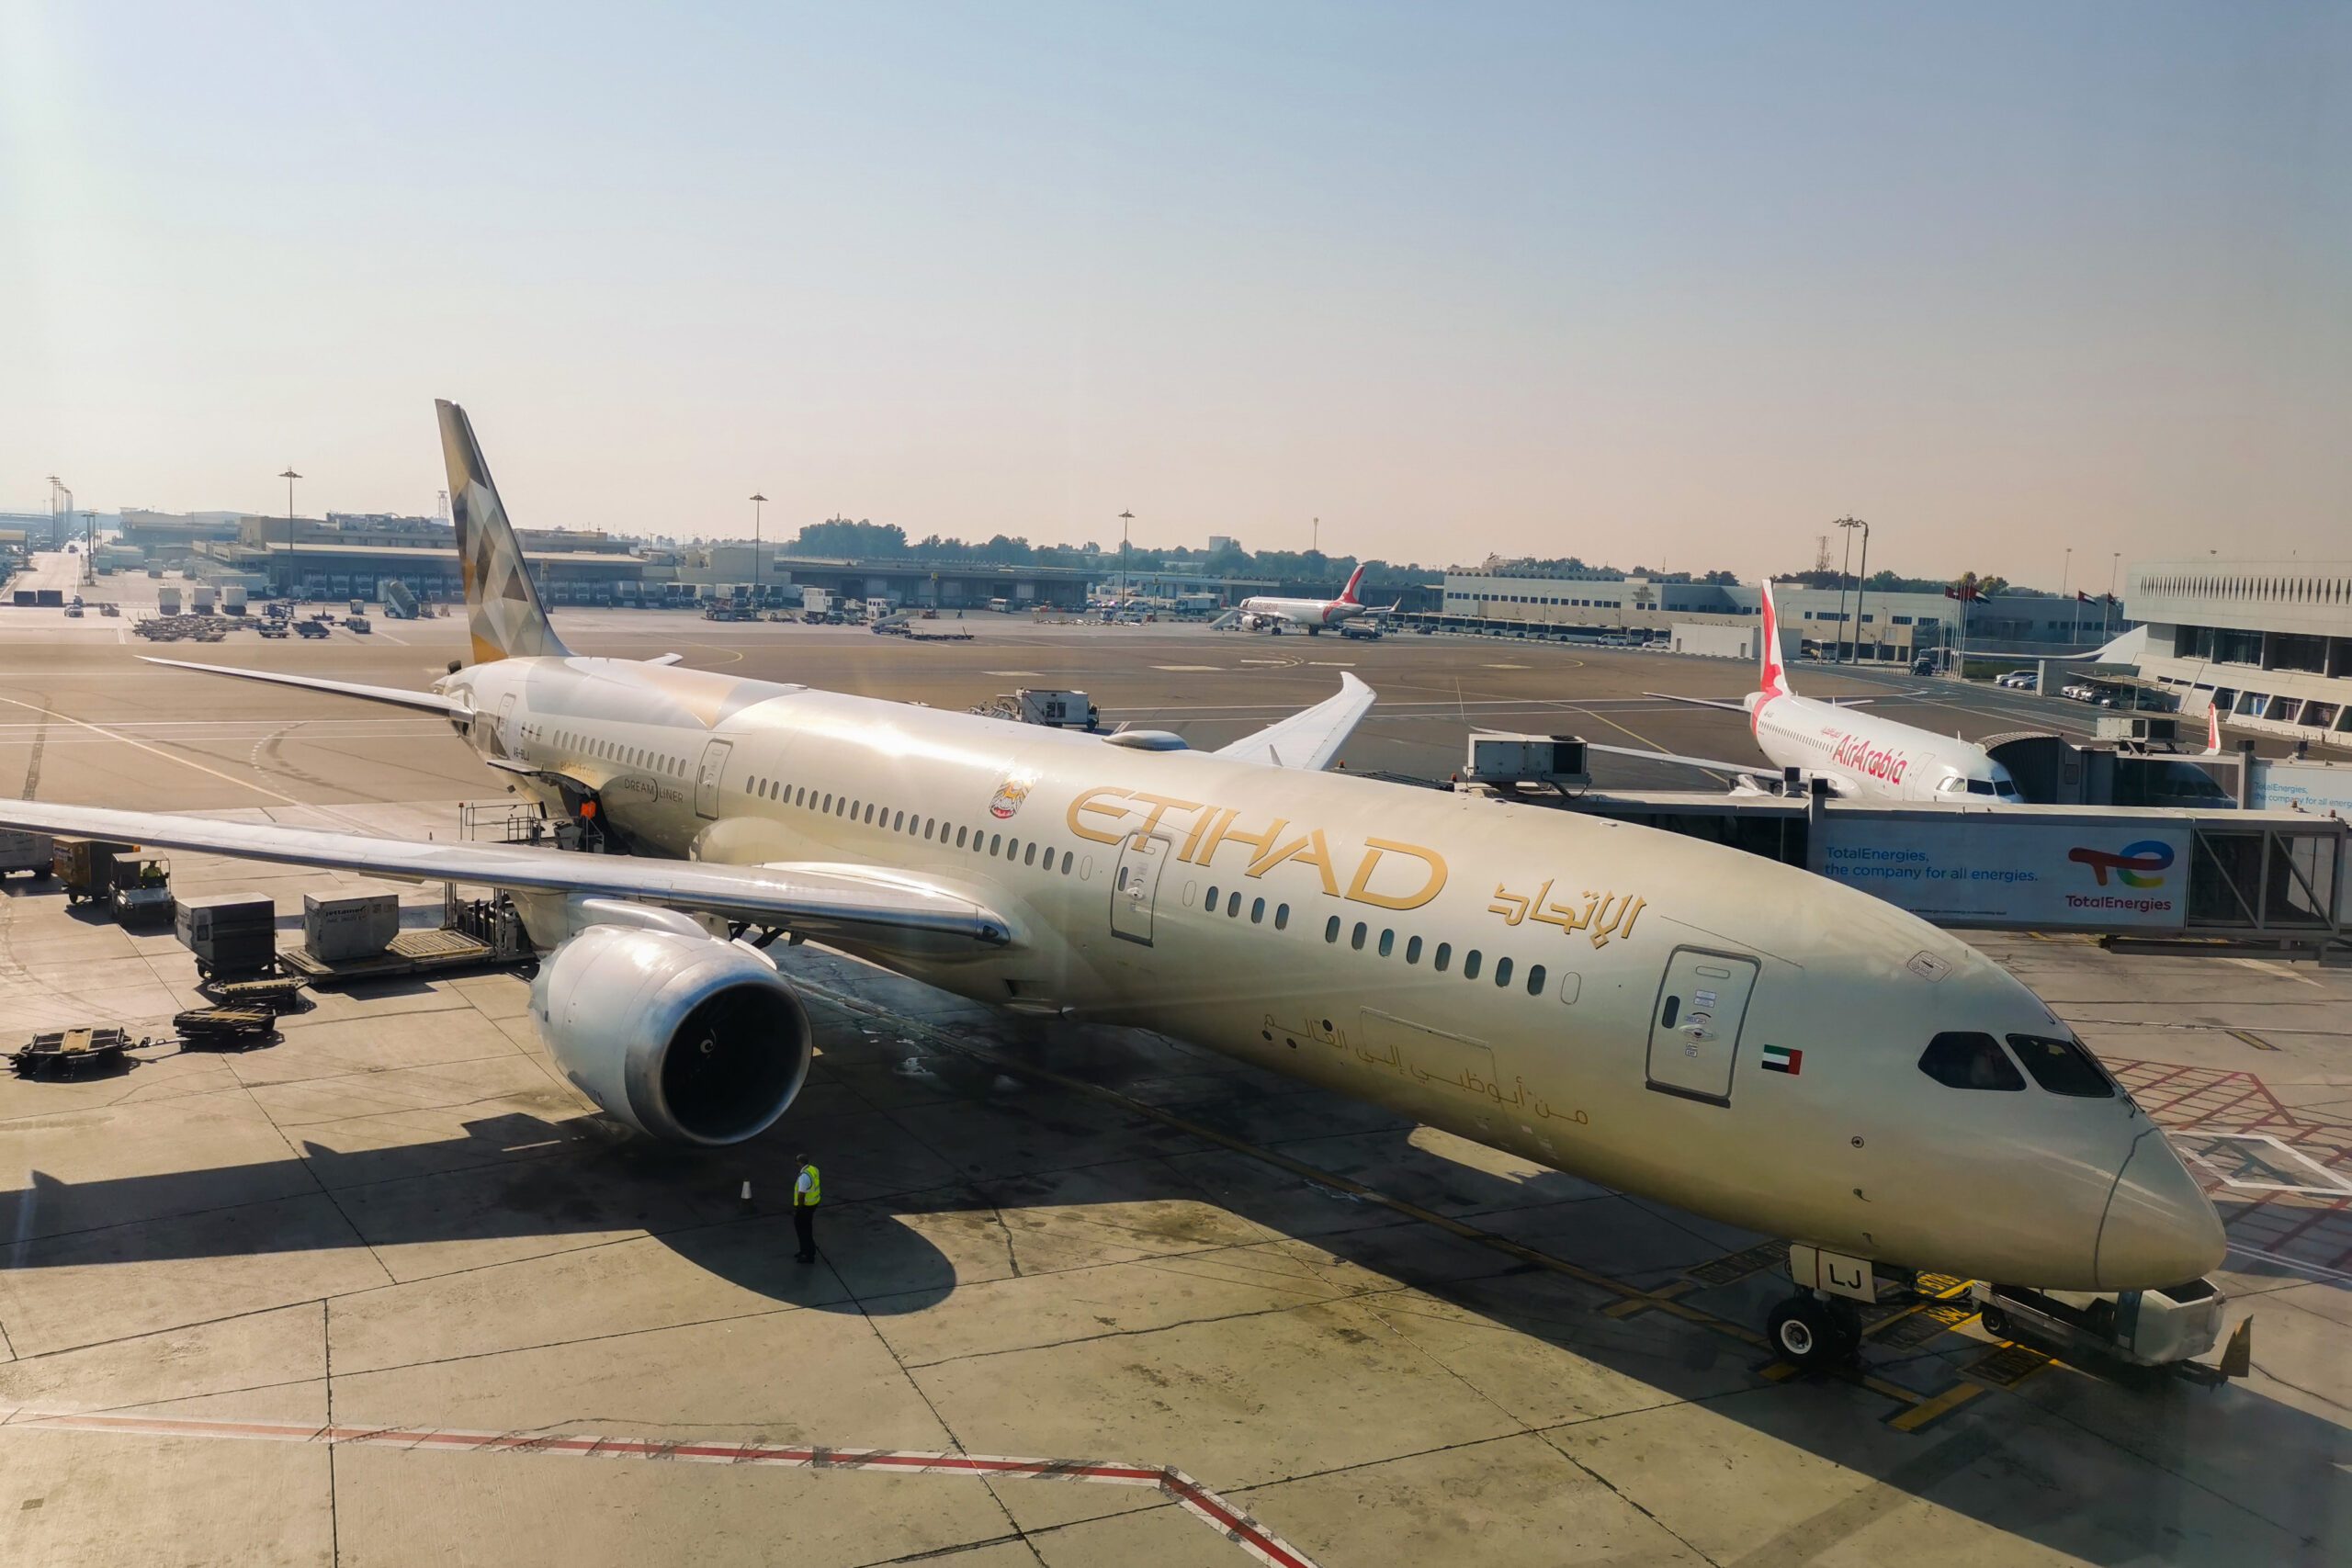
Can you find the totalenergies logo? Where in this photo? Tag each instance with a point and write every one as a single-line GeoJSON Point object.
{"type": "Point", "coordinates": [2137, 866]}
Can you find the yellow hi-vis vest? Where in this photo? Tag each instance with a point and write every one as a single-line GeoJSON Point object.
{"type": "Point", "coordinates": [816, 1192]}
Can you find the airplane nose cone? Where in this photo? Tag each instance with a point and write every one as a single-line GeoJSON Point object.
{"type": "Point", "coordinates": [2159, 1229]}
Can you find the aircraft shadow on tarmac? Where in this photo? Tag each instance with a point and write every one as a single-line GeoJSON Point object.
{"type": "Point", "coordinates": [2046, 1463]}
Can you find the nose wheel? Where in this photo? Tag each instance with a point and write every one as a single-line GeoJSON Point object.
{"type": "Point", "coordinates": [1810, 1331]}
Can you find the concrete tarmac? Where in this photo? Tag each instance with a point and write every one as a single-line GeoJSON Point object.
{"type": "Point", "coordinates": [386, 1290]}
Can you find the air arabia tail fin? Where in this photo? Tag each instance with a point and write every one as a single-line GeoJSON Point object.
{"type": "Point", "coordinates": [1772, 676]}
{"type": "Point", "coordinates": [2212, 730]}
{"type": "Point", "coordinates": [1347, 595]}
{"type": "Point", "coordinates": [503, 608]}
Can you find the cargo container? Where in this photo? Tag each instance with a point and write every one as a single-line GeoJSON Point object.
{"type": "Point", "coordinates": [25, 596]}
{"type": "Point", "coordinates": [204, 597]}
{"type": "Point", "coordinates": [49, 598]}
{"type": "Point", "coordinates": [357, 925]}
{"type": "Point", "coordinates": [167, 599]}
{"type": "Point", "coordinates": [233, 935]}
{"type": "Point", "coordinates": [233, 599]}
{"type": "Point", "coordinates": [85, 866]}
{"type": "Point", "coordinates": [27, 852]}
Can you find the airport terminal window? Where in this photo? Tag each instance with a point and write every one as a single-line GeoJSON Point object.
{"type": "Point", "coordinates": [1535, 980]}
{"type": "Point", "coordinates": [1470, 962]}
{"type": "Point", "coordinates": [2062, 1066]}
{"type": "Point", "coordinates": [1964, 1060]}
{"type": "Point", "coordinates": [1444, 956]}
{"type": "Point", "coordinates": [1331, 929]}
{"type": "Point", "coordinates": [1502, 972]}
{"type": "Point", "coordinates": [1413, 950]}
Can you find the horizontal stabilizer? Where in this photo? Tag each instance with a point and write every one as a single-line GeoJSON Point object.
{"type": "Point", "coordinates": [1697, 701]}
{"type": "Point", "coordinates": [432, 702]}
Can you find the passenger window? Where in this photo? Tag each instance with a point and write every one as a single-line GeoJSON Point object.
{"type": "Point", "coordinates": [869, 814]}
{"type": "Point", "coordinates": [1672, 1010]}
{"type": "Point", "coordinates": [1065, 862]}
{"type": "Point", "coordinates": [1029, 856]}
{"type": "Point", "coordinates": [900, 824]}
{"type": "Point", "coordinates": [1355, 938]}
{"type": "Point", "coordinates": [1536, 981]}
{"type": "Point", "coordinates": [1012, 848]}
{"type": "Point", "coordinates": [1282, 917]}
{"type": "Point", "coordinates": [1502, 972]}
{"type": "Point", "coordinates": [1413, 950]}
{"type": "Point", "coordinates": [1964, 1060]}
{"type": "Point", "coordinates": [829, 803]}
{"type": "Point", "coordinates": [2062, 1066]}
{"type": "Point", "coordinates": [1387, 943]}
{"type": "Point", "coordinates": [996, 843]}
{"type": "Point", "coordinates": [1331, 929]}
{"type": "Point", "coordinates": [959, 838]}
{"type": "Point", "coordinates": [1209, 903]}
{"type": "Point", "coordinates": [1233, 903]}
{"type": "Point", "coordinates": [1257, 912]}
{"type": "Point", "coordinates": [1470, 962]}
{"type": "Point", "coordinates": [1444, 956]}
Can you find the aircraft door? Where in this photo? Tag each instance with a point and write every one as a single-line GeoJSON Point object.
{"type": "Point", "coordinates": [1135, 885]}
{"type": "Point", "coordinates": [505, 734]}
{"type": "Point", "coordinates": [1694, 1026]}
{"type": "Point", "coordinates": [714, 764]}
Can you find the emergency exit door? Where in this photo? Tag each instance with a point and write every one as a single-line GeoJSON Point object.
{"type": "Point", "coordinates": [1135, 885]}
{"type": "Point", "coordinates": [1694, 1025]}
{"type": "Point", "coordinates": [714, 764]}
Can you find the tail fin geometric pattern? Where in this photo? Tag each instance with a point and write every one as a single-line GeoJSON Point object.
{"type": "Point", "coordinates": [503, 609]}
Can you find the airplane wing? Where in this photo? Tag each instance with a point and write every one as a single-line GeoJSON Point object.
{"type": "Point", "coordinates": [432, 702]}
{"type": "Point", "coordinates": [832, 897]}
{"type": "Point", "coordinates": [1311, 738]}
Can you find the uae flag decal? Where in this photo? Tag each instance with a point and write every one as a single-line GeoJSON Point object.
{"type": "Point", "coordinates": [1781, 1060]}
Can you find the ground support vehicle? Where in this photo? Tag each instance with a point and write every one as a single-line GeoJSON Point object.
{"type": "Point", "coordinates": [69, 1053]}
{"type": "Point", "coordinates": [141, 891]}
{"type": "Point", "coordinates": [86, 867]}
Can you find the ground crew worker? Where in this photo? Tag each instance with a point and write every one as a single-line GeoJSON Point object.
{"type": "Point", "coordinates": [808, 1191]}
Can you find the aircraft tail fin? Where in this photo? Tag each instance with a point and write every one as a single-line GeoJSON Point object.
{"type": "Point", "coordinates": [1772, 675]}
{"type": "Point", "coordinates": [1347, 595]}
{"type": "Point", "coordinates": [503, 608]}
{"type": "Point", "coordinates": [2212, 730]}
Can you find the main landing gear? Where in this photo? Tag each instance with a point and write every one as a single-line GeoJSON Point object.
{"type": "Point", "coordinates": [1812, 1331]}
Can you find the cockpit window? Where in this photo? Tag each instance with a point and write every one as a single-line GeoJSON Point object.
{"type": "Point", "coordinates": [2062, 1066]}
{"type": "Point", "coordinates": [1980, 787]}
{"type": "Point", "coordinates": [1953, 785]}
{"type": "Point", "coordinates": [1970, 1060]}
{"type": "Point", "coordinates": [2006, 789]}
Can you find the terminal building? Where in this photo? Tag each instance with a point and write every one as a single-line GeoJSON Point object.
{"type": "Point", "coordinates": [2267, 642]}
{"type": "Point", "coordinates": [1878, 625]}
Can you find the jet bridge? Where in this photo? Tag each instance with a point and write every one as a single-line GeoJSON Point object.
{"type": "Point", "coordinates": [2277, 879]}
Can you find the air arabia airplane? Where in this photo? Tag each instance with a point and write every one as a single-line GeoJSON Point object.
{"type": "Point", "coordinates": [1857, 754]}
{"type": "Point", "coordinates": [1668, 1017]}
{"type": "Point", "coordinates": [1263, 614]}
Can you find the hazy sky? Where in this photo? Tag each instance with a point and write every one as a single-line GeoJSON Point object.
{"type": "Point", "coordinates": [1641, 280]}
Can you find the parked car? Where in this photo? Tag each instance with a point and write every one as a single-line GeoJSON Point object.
{"type": "Point", "coordinates": [2019, 680]}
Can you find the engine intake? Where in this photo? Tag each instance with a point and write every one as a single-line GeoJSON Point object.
{"type": "Point", "coordinates": [688, 1039]}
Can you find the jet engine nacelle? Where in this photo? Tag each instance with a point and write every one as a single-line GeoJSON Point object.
{"type": "Point", "coordinates": [688, 1039]}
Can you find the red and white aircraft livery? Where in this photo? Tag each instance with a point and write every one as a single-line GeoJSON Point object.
{"type": "Point", "coordinates": [1857, 755]}
{"type": "Point", "coordinates": [1263, 614]}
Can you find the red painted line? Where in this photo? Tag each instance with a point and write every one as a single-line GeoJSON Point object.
{"type": "Point", "coordinates": [1188, 1493]}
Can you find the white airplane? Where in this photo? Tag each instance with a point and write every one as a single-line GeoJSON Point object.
{"type": "Point", "coordinates": [1854, 753]}
{"type": "Point", "coordinates": [1265, 612]}
{"type": "Point", "coordinates": [1671, 1017]}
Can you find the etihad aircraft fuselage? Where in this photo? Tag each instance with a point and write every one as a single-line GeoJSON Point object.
{"type": "Point", "coordinates": [1689, 1023]}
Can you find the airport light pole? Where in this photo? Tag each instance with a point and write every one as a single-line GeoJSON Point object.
{"type": "Point", "coordinates": [1845, 570]}
{"type": "Point", "coordinates": [1849, 525]}
{"type": "Point", "coordinates": [758, 500]}
{"type": "Point", "coordinates": [290, 476]}
{"type": "Point", "coordinates": [2106, 611]}
{"type": "Point", "coordinates": [1126, 520]}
